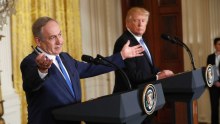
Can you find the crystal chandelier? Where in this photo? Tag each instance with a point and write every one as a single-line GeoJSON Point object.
{"type": "Point", "coordinates": [7, 8]}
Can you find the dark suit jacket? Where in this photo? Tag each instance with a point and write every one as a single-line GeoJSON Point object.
{"type": "Point", "coordinates": [211, 60]}
{"type": "Point", "coordinates": [43, 95]}
{"type": "Point", "coordinates": [139, 69]}
{"type": "Point", "coordinates": [214, 93]}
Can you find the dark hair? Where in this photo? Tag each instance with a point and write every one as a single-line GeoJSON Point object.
{"type": "Point", "coordinates": [216, 40]}
{"type": "Point", "coordinates": [38, 24]}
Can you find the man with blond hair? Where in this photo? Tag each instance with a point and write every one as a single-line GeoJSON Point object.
{"type": "Point", "coordinates": [138, 69]}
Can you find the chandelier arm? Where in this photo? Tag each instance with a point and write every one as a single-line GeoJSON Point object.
{"type": "Point", "coordinates": [5, 7]}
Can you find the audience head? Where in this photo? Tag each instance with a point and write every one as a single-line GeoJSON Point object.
{"type": "Point", "coordinates": [217, 44]}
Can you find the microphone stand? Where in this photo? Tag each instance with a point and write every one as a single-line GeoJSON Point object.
{"type": "Point", "coordinates": [120, 70]}
{"type": "Point", "coordinates": [188, 51]}
{"type": "Point", "coordinates": [189, 103]}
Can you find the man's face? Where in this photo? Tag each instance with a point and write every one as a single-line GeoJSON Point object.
{"type": "Point", "coordinates": [217, 46]}
{"type": "Point", "coordinates": [137, 24]}
{"type": "Point", "coordinates": [52, 38]}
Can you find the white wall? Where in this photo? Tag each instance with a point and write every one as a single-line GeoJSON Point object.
{"type": "Point", "coordinates": [11, 100]}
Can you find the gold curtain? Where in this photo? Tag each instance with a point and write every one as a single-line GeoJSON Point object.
{"type": "Point", "coordinates": [66, 12]}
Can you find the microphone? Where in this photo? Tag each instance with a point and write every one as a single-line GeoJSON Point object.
{"type": "Point", "coordinates": [171, 39]}
{"type": "Point", "coordinates": [177, 41]}
{"type": "Point", "coordinates": [101, 60]}
{"type": "Point", "coordinates": [87, 58]}
{"type": "Point", "coordinates": [120, 71]}
{"type": "Point", "coordinates": [90, 59]}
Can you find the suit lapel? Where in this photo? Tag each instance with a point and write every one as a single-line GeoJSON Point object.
{"type": "Point", "coordinates": [71, 75]}
{"type": "Point", "coordinates": [63, 83]}
{"type": "Point", "coordinates": [135, 42]}
{"type": "Point", "coordinates": [213, 59]}
{"type": "Point", "coordinates": [60, 78]}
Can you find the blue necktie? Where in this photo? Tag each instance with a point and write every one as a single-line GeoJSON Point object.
{"type": "Point", "coordinates": [65, 74]}
{"type": "Point", "coordinates": [146, 49]}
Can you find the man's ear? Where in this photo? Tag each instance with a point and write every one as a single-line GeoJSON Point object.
{"type": "Point", "coordinates": [37, 40]}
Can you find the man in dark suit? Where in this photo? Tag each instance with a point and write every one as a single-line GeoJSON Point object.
{"type": "Point", "coordinates": [214, 91]}
{"type": "Point", "coordinates": [139, 69]}
{"type": "Point", "coordinates": [51, 78]}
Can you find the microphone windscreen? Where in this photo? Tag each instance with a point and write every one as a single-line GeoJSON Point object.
{"type": "Point", "coordinates": [87, 58]}
{"type": "Point", "coordinates": [165, 37]}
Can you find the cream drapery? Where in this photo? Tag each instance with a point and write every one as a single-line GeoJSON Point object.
{"type": "Point", "coordinates": [101, 25]}
{"type": "Point", "coordinates": [66, 12]}
{"type": "Point", "coordinates": [200, 27]}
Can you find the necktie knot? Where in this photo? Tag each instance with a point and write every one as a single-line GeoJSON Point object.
{"type": "Point", "coordinates": [141, 40]}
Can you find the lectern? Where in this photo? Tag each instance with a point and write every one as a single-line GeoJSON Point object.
{"type": "Point", "coordinates": [186, 87]}
{"type": "Point", "coordinates": [121, 108]}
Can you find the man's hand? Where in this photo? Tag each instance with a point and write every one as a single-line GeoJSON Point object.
{"type": "Point", "coordinates": [217, 84]}
{"type": "Point", "coordinates": [130, 52]}
{"type": "Point", "coordinates": [43, 63]}
{"type": "Point", "coordinates": [165, 74]}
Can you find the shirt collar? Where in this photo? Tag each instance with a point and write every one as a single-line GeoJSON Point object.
{"type": "Point", "coordinates": [135, 36]}
{"type": "Point", "coordinates": [217, 53]}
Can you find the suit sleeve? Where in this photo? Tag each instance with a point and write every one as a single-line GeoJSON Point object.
{"type": "Point", "coordinates": [136, 73]}
{"type": "Point", "coordinates": [30, 76]}
{"type": "Point", "coordinates": [211, 59]}
{"type": "Point", "coordinates": [86, 70]}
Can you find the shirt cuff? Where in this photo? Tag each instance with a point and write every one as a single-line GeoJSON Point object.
{"type": "Point", "coordinates": [42, 75]}
{"type": "Point", "coordinates": [157, 75]}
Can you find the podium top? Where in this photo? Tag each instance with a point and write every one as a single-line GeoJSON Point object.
{"type": "Point", "coordinates": [117, 108]}
{"type": "Point", "coordinates": [184, 86]}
